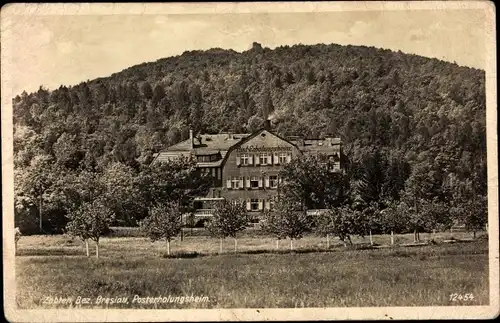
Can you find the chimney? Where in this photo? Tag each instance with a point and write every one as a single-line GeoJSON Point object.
{"type": "Point", "coordinates": [191, 138]}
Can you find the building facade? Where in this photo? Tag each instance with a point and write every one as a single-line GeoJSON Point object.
{"type": "Point", "coordinates": [246, 166]}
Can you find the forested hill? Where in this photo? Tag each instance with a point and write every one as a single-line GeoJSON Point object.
{"type": "Point", "coordinates": [424, 110]}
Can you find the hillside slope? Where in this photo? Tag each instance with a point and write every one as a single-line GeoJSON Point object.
{"type": "Point", "coordinates": [409, 105]}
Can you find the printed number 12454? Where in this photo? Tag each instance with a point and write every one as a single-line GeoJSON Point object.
{"type": "Point", "coordinates": [461, 297]}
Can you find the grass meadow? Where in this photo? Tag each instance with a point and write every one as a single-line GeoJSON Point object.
{"type": "Point", "coordinates": [258, 275]}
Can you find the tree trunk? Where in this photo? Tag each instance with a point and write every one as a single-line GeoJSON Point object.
{"type": "Point", "coordinates": [345, 243]}
{"type": "Point", "coordinates": [87, 247]}
{"type": "Point", "coordinates": [392, 237]}
{"type": "Point", "coordinates": [418, 236]}
{"type": "Point", "coordinates": [15, 247]}
{"type": "Point", "coordinates": [97, 249]}
{"type": "Point", "coordinates": [168, 247]}
{"type": "Point", "coordinates": [350, 241]}
{"type": "Point", "coordinates": [182, 228]}
{"type": "Point", "coordinates": [433, 234]}
{"type": "Point", "coordinates": [371, 238]}
{"type": "Point", "coordinates": [235, 244]}
{"type": "Point", "coordinates": [327, 241]}
{"type": "Point", "coordinates": [474, 234]}
{"type": "Point", "coordinates": [220, 245]}
{"type": "Point", "coordinates": [40, 213]}
{"type": "Point", "coordinates": [277, 243]}
{"type": "Point", "coordinates": [291, 244]}
{"type": "Point", "coordinates": [414, 235]}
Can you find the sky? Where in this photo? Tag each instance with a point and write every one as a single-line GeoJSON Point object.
{"type": "Point", "coordinates": [51, 49]}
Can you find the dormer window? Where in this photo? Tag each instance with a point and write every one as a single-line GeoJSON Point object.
{"type": "Point", "coordinates": [207, 158]}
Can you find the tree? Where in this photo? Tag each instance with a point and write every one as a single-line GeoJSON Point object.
{"type": "Point", "coordinates": [310, 180]}
{"type": "Point", "coordinates": [472, 213]}
{"type": "Point", "coordinates": [174, 180]}
{"type": "Point", "coordinates": [343, 222]}
{"type": "Point", "coordinates": [272, 223]}
{"type": "Point", "coordinates": [425, 195]}
{"type": "Point", "coordinates": [476, 217]}
{"type": "Point", "coordinates": [254, 123]}
{"type": "Point", "coordinates": [90, 221]}
{"type": "Point", "coordinates": [395, 217]}
{"type": "Point", "coordinates": [147, 91]}
{"type": "Point", "coordinates": [196, 108]}
{"type": "Point", "coordinates": [68, 151]}
{"type": "Point", "coordinates": [158, 94]}
{"type": "Point", "coordinates": [267, 104]}
{"type": "Point", "coordinates": [121, 191]}
{"type": "Point", "coordinates": [372, 177]}
{"type": "Point", "coordinates": [35, 184]}
{"type": "Point", "coordinates": [229, 218]}
{"type": "Point", "coordinates": [163, 223]}
{"type": "Point", "coordinates": [371, 219]}
{"type": "Point", "coordinates": [290, 220]}
{"type": "Point", "coordinates": [468, 207]}
{"type": "Point", "coordinates": [436, 216]}
{"type": "Point", "coordinates": [324, 226]}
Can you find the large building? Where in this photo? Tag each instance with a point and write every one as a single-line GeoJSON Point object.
{"type": "Point", "coordinates": [246, 166]}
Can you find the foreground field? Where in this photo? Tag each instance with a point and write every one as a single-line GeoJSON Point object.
{"type": "Point", "coordinates": [257, 276]}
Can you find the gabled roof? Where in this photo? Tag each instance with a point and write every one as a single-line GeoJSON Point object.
{"type": "Point", "coordinates": [218, 142]}
{"type": "Point", "coordinates": [181, 146]}
{"type": "Point", "coordinates": [203, 145]}
{"type": "Point", "coordinates": [253, 135]}
{"type": "Point", "coordinates": [224, 143]}
{"type": "Point", "coordinates": [206, 144]}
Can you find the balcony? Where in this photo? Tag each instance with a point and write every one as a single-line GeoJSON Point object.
{"type": "Point", "coordinates": [203, 212]}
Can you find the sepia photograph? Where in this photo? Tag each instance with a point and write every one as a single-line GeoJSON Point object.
{"type": "Point", "coordinates": [249, 161]}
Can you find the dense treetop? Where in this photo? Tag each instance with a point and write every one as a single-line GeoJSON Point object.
{"type": "Point", "coordinates": [367, 96]}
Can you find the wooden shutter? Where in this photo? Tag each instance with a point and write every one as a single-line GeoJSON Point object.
{"type": "Point", "coordinates": [247, 182]}
{"type": "Point", "coordinates": [267, 181]}
{"type": "Point", "coordinates": [260, 204]}
{"type": "Point", "coordinates": [250, 159]}
{"type": "Point", "coordinates": [268, 205]}
{"type": "Point", "coordinates": [241, 183]}
{"type": "Point", "coordinates": [257, 160]}
{"type": "Point", "coordinates": [238, 161]}
{"type": "Point", "coordinates": [288, 157]}
{"type": "Point", "coordinates": [249, 207]}
{"type": "Point", "coordinates": [229, 183]}
{"type": "Point", "coordinates": [260, 182]}
{"type": "Point", "coordinates": [276, 159]}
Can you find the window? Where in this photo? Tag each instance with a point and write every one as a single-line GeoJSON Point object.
{"type": "Point", "coordinates": [283, 158]}
{"type": "Point", "coordinates": [263, 159]}
{"type": "Point", "coordinates": [273, 181]}
{"type": "Point", "coordinates": [254, 182]}
{"type": "Point", "coordinates": [254, 204]}
{"type": "Point", "coordinates": [235, 182]}
{"type": "Point", "coordinates": [266, 159]}
{"type": "Point", "coordinates": [244, 159]}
